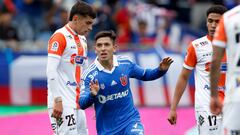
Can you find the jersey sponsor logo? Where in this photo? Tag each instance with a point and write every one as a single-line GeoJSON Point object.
{"type": "Point", "coordinates": [113, 83]}
{"type": "Point", "coordinates": [220, 88]}
{"type": "Point", "coordinates": [71, 83]}
{"type": "Point", "coordinates": [103, 99]}
{"type": "Point", "coordinates": [80, 60]}
{"type": "Point", "coordinates": [124, 80]}
{"type": "Point", "coordinates": [207, 54]}
{"type": "Point", "coordinates": [73, 47]}
{"type": "Point", "coordinates": [203, 43]}
{"type": "Point", "coordinates": [77, 59]}
{"type": "Point", "coordinates": [223, 67]}
{"type": "Point", "coordinates": [70, 37]}
{"type": "Point", "coordinates": [54, 46]}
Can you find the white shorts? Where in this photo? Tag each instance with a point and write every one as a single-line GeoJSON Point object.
{"type": "Point", "coordinates": [208, 124]}
{"type": "Point", "coordinates": [72, 122]}
{"type": "Point", "coordinates": [231, 119]}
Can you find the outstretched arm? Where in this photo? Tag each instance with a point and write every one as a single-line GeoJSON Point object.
{"type": "Point", "coordinates": [152, 74]}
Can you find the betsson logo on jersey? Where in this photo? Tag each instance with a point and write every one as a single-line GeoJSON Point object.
{"type": "Point", "coordinates": [103, 99]}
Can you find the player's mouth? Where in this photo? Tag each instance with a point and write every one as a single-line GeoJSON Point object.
{"type": "Point", "coordinates": [103, 55]}
{"type": "Point", "coordinates": [212, 31]}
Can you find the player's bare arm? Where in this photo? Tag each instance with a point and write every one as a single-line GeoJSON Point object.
{"type": "Point", "coordinates": [165, 63]}
{"type": "Point", "coordinates": [215, 104]}
{"type": "Point", "coordinates": [180, 87]}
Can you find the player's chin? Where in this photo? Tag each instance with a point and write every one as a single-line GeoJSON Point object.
{"type": "Point", "coordinates": [103, 58]}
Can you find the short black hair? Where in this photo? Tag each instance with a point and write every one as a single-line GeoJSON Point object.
{"type": "Point", "coordinates": [110, 33]}
{"type": "Point", "coordinates": [83, 9]}
{"type": "Point", "coordinates": [218, 9]}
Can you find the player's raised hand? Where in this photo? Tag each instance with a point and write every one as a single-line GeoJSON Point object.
{"type": "Point", "coordinates": [94, 87]}
{"type": "Point", "coordinates": [165, 63]}
{"type": "Point", "coordinates": [172, 117]}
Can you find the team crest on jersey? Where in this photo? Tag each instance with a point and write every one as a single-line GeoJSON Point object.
{"type": "Point", "coordinates": [54, 46]}
{"type": "Point", "coordinates": [124, 80]}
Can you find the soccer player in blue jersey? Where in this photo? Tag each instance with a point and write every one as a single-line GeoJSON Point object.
{"type": "Point", "coordinates": [106, 85]}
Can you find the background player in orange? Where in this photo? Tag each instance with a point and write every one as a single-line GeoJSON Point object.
{"type": "Point", "coordinates": [199, 57]}
{"type": "Point", "coordinates": [227, 36]}
{"type": "Point", "coordinates": [67, 51]}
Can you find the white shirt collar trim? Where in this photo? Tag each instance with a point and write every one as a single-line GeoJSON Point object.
{"type": "Point", "coordinates": [101, 68]}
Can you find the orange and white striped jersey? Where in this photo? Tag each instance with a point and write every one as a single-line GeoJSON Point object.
{"type": "Point", "coordinates": [199, 56]}
{"type": "Point", "coordinates": [71, 51]}
{"type": "Point", "coordinates": [228, 36]}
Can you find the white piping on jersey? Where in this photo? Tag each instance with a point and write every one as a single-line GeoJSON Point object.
{"type": "Point", "coordinates": [91, 68]}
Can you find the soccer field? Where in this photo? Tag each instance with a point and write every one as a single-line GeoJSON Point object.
{"type": "Point", "coordinates": [33, 120]}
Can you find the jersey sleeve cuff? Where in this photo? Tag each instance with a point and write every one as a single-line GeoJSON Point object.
{"type": "Point", "coordinates": [188, 67]}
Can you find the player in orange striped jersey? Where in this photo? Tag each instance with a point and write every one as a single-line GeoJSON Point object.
{"type": "Point", "coordinates": [199, 57]}
{"type": "Point", "coordinates": [67, 53]}
{"type": "Point", "coordinates": [227, 38]}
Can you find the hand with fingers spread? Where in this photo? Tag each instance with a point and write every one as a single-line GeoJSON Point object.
{"type": "Point", "coordinates": [94, 87]}
{"type": "Point", "coordinates": [165, 63]}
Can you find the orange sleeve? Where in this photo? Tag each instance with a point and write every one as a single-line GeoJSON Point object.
{"type": "Point", "coordinates": [191, 58]}
{"type": "Point", "coordinates": [221, 96]}
{"type": "Point", "coordinates": [57, 44]}
{"type": "Point", "coordinates": [220, 34]}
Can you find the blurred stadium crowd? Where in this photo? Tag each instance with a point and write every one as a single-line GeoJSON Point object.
{"type": "Point", "coordinates": [26, 25]}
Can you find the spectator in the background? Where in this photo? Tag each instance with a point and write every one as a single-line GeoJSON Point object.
{"type": "Point", "coordinates": [8, 32]}
{"type": "Point", "coordinates": [122, 19]}
{"type": "Point", "coordinates": [57, 18]}
{"type": "Point", "coordinates": [105, 13]}
{"type": "Point", "coordinates": [30, 17]}
{"type": "Point", "coordinates": [141, 36]}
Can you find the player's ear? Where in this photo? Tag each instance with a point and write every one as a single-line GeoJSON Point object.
{"type": "Point", "coordinates": [75, 18]}
{"type": "Point", "coordinates": [115, 48]}
{"type": "Point", "coordinates": [95, 49]}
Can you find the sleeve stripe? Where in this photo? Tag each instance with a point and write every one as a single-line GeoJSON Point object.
{"type": "Point", "coordinates": [187, 67]}
{"type": "Point", "coordinates": [219, 43]}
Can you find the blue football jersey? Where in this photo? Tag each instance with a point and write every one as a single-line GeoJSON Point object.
{"type": "Point", "coordinates": [113, 104]}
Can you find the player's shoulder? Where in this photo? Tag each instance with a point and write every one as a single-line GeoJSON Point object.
{"type": "Point", "coordinates": [92, 69]}
{"type": "Point", "coordinates": [122, 58]}
{"type": "Point", "coordinates": [58, 34]}
{"type": "Point", "coordinates": [231, 13]}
